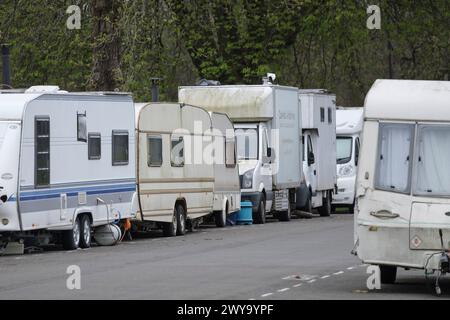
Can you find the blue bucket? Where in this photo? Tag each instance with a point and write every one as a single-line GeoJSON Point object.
{"type": "Point", "coordinates": [245, 215]}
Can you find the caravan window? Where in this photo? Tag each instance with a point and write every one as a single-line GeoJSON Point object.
{"type": "Point", "coordinates": [94, 146]}
{"type": "Point", "coordinates": [177, 153]}
{"type": "Point", "coordinates": [81, 127]}
{"type": "Point", "coordinates": [433, 154]}
{"type": "Point", "coordinates": [42, 151]}
{"type": "Point", "coordinates": [230, 153]}
{"type": "Point", "coordinates": [394, 157]}
{"type": "Point", "coordinates": [330, 116]}
{"type": "Point", "coordinates": [119, 148]}
{"type": "Point", "coordinates": [322, 114]}
{"type": "Point", "coordinates": [154, 147]}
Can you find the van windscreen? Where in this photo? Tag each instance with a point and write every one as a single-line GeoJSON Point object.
{"type": "Point", "coordinates": [344, 146]}
{"type": "Point", "coordinates": [247, 143]}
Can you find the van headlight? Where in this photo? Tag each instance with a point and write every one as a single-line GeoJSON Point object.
{"type": "Point", "coordinates": [346, 171]}
{"type": "Point", "coordinates": [247, 179]}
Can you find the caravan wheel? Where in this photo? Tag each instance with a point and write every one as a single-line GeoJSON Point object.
{"type": "Point", "coordinates": [325, 209]}
{"type": "Point", "coordinates": [388, 274]}
{"type": "Point", "coordinates": [71, 238]}
{"type": "Point", "coordinates": [260, 216]}
{"type": "Point", "coordinates": [181, 220]}
{"type": "Point", "coordinates": [85, 232]}
{"type": "Point", "coordinates": [170, 228]}
{"type": "Point", "coordinates": [221, 218]}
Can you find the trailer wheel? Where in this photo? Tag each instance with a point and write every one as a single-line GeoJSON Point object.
{"type": "Point", "coordinates": [221, 218]}
{"type": "Point", "coordinates": [170, 228]}
{"type": "Point", "coordinates": [325, 209]}
{"type": "Point", "coordinates": [260, 216]}
{"type": "Point", "coordinates": [388, 274]}
{"type": "Point", "coordinates": [85, 232]}
{"type": "Point", "coordinates": [181, 220]}
{"type": "Point", "coordinates": [71, 238]}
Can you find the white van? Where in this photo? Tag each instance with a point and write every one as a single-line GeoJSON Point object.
{"type": "Point", "coordinates": [174, 176]}
{"type": "Point", "coordinates": [318, 110]}
{"type": "Point", "coordinates": [349, 123]}
{"type": "Point", "coordinates": [67, 165]}
{"type": "Point", "coordinates": [227, 191]}
{"type": "Point", "coordinates": [403, 191]}
{"type": "Point", "coordinates": [266, 120]}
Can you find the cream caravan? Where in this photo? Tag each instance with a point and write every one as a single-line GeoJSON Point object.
{"type": "Point", "coordinates": [175, 177]}
{"type": "Point", "coordinates": [403, 191]}
{"type": "Point", "coordinates": [67, 165]}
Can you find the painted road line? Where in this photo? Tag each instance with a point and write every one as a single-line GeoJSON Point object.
{"type": "Point", "coordinates": [297, 285]}
{"type": "Point", "coordinates": [283, 290]}
{"type": "Point", "coordinates": [312, 281]}
{"type": "Point", "coordinates": [338, 273]}
{"type": "Point", "coordinates": [350, 268]}
{"type": "Point", "coordinates": [267, 295]}
{"type": "Point", "coordinates": [324, 277]}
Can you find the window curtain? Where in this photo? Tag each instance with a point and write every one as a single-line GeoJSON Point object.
{"type": "Point", "coordinates": [394, 157]}
{"type": "Point", "coordinates": [433, 176]}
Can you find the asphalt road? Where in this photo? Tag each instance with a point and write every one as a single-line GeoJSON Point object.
{"type": "Point", "coordinates": [301, 259]}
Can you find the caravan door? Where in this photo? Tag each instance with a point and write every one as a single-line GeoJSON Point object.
{"type": "Point", "coordinates": [310, 163]}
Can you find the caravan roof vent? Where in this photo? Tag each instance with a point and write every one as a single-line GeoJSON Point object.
{"type": "Point", "coordinates": [44, 89]}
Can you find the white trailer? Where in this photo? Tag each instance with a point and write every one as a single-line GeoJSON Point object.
{"type": "Point", "coordinates": [349, 123]}
{"type": "Point", "coordinates": [175, 175]}
{"type": "Point", "coordinates": [402, 216]}
{"type": "Point", "coordinates": [266, 119]}
{"type": "Point", "coordinates": [227, 191]}
{"type": "Point", "coordinates": [318, 109]}
{"type": "Point", "coordinates": [67, 165]}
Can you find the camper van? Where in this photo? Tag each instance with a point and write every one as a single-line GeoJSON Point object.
{"type": "Point", "coordinates": [175, 172]}
{"type": "Point", "coordinates": [67, 166]}
{"type": "Point", "coordinates": [266, 121]}
{"type": "Point", "coordinates": [403, 191]}
{"type": "Point", "coordinates": [318, 120]}
{"type": "Point", "coordinates": [227, 191]}
{"type": "Point", "coordinates": [349, 122]}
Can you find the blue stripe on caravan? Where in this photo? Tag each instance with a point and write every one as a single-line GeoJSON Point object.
{"type": "Point", "coordinates": [73, 192]}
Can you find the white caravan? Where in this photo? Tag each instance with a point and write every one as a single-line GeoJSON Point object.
{"type": "Point", "coordinates": [403, 189]}
{"type": "Point", "coordinates": [266, 119]}
{"type": "Point", "coordinates": [227, 191]}
{"type": "Point", "coordinates": [318, 109]}
{"type": "Point", "coordinates": [175, 174]}
{"type": "Point", "coordinates": [349, 123]}
{"type": "Point", "coordinates": [67, 165]}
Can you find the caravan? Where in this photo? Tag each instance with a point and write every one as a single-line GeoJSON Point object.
{"type": "Point", "coordinates": [318, 109]}
{"type": "Point", "coordinates": [349, 122]}
{"type": "Point", "coordinates": [266, 120]}
{"type": "Point", "coordinates": [403, 191]}
{"type": "Point", "coordinates": [67, 165]}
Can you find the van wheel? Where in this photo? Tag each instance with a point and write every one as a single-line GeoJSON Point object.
{"type": "Point", "coordinates": [170, 228]}
{"type": "Point", "coordinates": [181, 220]}
{"type": "Point", "coordinates": [388, 274]}
{"type": "Point", "coordinates": [221, 218]}
{"type": "Point", "coordinates": [85, 232]}
{"type": "Point", "coordinates": [260, 216]}
{"type": "Point", "coordinates": [71, 238]}
{"type": "Point", "coordinates": [308, 206]}
{"type": "Point", "coordinates": [325, 209]}
{"type": "Point", "coordinates": [285, 216]}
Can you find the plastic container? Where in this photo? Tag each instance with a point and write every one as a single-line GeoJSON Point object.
{"type": "Point", "coordinates": [245, 215]}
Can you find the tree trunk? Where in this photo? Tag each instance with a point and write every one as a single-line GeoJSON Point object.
{"type": "Point", "coordinates": [106, 72]}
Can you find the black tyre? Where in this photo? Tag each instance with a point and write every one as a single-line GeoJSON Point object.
{"type": "Point", "coordinates": [221, 218]}
{"type": "Point", "coordinates": [170, 228]}
{"type": "Point", "coordinates": [388, 274]}
{"type": "Point", "coordinates": [259, 217]}
{"type": "Point", "coordinates": [85, 232]}
{"type": "Point", "coordinates": [285, 216]}
{"type": "Point", "coordinates": [325, 209]}
{"type": "Point", "coordinates": [181, 220]}
{"type": "Point", "coordinates": [71, 238]}
{"type": "Point", "coordinates": [308, 206]}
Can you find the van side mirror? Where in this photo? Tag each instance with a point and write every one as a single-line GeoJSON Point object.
{"type": "Point", "coordinates": [311, 159]}
{"type": "Point", "coordinates": [270, 155]}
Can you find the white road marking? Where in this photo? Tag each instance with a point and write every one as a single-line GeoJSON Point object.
{"type": "Point", "coordinates": [312, 281]}
{"type": "Point", "coordinates": [324, 277]}
{"type": "Point", "coordinates": [283, 290]}
{"type": "Point", "coordinates": [267, 295]}
{"type": "Point", "coordinates": [297, 285]}
{"type": "Point", "coordinates": [350, 268]}
{"type": "Point", "coordinates": [338, 273]}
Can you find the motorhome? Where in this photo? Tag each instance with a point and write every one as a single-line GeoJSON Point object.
{"type": "Point", "coordinates": [349, 122]}
{"type": "Point", "coordinates": [67, 165]}
{"type": "Point", "coordinates": [318, 120]}
{"type": "Point", "coordinates": [175, 171]}
{"type": "Point", "coordinates": [403, 190]}
{"type": "Point", "coordinates": [227, 190]}
{"type": "Point", "coordinates": [266, 121]}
